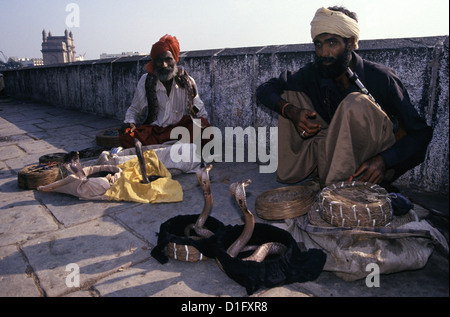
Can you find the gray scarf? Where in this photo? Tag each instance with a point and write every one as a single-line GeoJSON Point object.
{"type": "Point", "coordinates": [183, 80]}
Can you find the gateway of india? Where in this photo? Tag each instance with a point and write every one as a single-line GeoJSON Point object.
{"type": "Point", "coordinates": [57, 49]}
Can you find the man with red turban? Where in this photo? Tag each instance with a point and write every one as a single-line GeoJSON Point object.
{"type": "Point", "coordinates": [166, 97]}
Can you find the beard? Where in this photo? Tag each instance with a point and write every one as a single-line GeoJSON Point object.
{"type": "Point", "coordinates": [166, 74]}
{"type": "Point", "coordinates": [337, 67]}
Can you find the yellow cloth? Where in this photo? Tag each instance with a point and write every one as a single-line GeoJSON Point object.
{"type": "Point", "coordinates": [129, 187]}
{"type": "Point", "coordinates": [334, 22]}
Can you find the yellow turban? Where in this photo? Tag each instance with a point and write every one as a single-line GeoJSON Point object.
{"type": "Point", "coordinates": [334, 22]}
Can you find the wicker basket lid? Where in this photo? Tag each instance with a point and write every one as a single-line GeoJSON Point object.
{"type": "Point", "coordinates": [108, 138]}
{"type": "Point", "coordinates": [35, 175]}
{"type": "Point", "coordinates": [285, 202]}
{"type": "Point", "coordinates": [355, 204]}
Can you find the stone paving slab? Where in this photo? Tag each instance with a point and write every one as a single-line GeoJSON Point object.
{"type": "Point", "coordinates": [11, 152]}
{"type": "Point", "coordinates": [15, 280]}
{"type": "Point", "coordinates": [24, 221]}
{"type": "Point", "coordinates": [173, 279]}
{"type": "Point", "coordinates": [38, 147]}
{"type": "Point", "coordinates": [99, 248]}
{"type": "Point", "coordinates": [70, 211]}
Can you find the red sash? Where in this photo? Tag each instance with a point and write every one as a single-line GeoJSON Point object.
{"type": "Point", "coordinates": [153, 134]}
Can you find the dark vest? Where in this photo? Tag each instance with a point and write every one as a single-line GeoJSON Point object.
{"type": "Point", "coordinates": [183, 80]}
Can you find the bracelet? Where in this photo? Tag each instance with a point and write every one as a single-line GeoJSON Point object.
{"type": "Point", "coordinates": [284, 107]}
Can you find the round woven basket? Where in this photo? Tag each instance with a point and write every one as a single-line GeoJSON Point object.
{"type": "Point", "coordinates": [285, 202]}
{"type": "Point", "coordinates": [108, 138]}
{"type": "Point", "coordinates": [184, 252]}
{"type": "Point", "coordinates": [35, 175]}
{"type": "Point", "coordinates": [315, 219]}
{"type": "Point", "coordinates": [355, 204]}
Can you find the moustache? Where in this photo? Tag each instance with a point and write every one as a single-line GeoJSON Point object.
{"type": "Point", "coordinates": [321, 60]}
{"type": "Point", "coordinates": [166, 70]}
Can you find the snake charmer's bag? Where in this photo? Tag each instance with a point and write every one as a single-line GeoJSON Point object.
{"type": "Point", "coordinates": [177, 158]}
{"type": "Point", "coordinates": [405, 244]}
{"type": "Point", "coordinates": [92, 188]}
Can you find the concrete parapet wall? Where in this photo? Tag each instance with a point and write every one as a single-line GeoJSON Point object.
{"type": "Point", "coordinates": [227, 80]}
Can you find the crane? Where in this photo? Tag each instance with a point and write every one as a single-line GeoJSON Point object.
{"type": "Point", "coordinates": [4, 56]}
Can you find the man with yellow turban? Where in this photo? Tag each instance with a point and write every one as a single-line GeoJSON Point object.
{"type": "Point", "coordinates": [166, 97]}
{"type": "Point", "coordinates": [330, 127]}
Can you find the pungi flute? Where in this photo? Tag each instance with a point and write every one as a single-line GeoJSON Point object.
{"type": "Point", "coordinates": [353, 77]}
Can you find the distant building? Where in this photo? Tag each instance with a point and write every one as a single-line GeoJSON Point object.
{"type": "Point", "coordinates": [79, 58]}
{"type": "Point", "coordinates": [123, 54]}
{"type": "Point", "coordinates": [29, 62]}
{"type": "Point", "coordinates": [57, 49]}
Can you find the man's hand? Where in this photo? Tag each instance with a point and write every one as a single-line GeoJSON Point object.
{"type": "Point", "coordinates": [123, 128]}
{"type": "Point", "coordinates": [371, 171]}
{"type": "Point", "coordinates": [302, 121]}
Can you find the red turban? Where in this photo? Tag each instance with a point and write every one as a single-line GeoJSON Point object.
{"type": "Point", "coordinates": [166, 43]}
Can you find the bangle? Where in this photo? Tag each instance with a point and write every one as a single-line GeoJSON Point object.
{"type": "Point", "coordinates": [284, 107]}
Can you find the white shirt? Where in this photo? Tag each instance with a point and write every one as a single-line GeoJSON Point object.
{"type": "Point", "coordinates": [171, 108]}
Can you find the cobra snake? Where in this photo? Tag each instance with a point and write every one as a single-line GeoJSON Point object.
{"type": "Point", "coordinates": [240, 245]}
{"type": "Point", "coordinates": [199, 226]}
{"type": "Point", "coordinates": [140, 156]}
{"type": "Point", "coordinates": [203, 179]}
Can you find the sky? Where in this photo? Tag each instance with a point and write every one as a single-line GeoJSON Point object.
{"type": "Point", "coordinates": [116, 26]}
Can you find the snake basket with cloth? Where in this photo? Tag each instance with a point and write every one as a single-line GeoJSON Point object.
{"type": "Point", "coordinates": [355, 204]}
{"type": "Point", "coordinates": [284, 203]}
{"type": "Point", "coordinates": [35, 175]}
{"type": "Point", "coordinates": [173, 244]}
{"type": "Point", "coordinates": [356, 227]}
{"type": "Point", "coordinates": [98, 179]}
{"type": "Point", "coordinates": [188, 238]}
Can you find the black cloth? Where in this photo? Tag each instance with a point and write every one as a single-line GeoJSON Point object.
{"type": "Point", "coordinates": [275, 270]}
{"type": "Point", "coordinates": [173, 231]}
{"type": "Point", "coordinates": [384, 86]}
{"type": "Point", "coordinates": [400, 204]}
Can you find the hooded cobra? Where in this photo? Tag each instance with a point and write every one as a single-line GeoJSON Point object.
{"type": "Point", "coordinates": [262, 251]}
{"type": "Point", "coordinates": [140, 156]}
{"type": "Point", "coordinates": [203, 179]}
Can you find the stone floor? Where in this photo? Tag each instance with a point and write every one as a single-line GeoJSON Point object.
{"type": "Point", "coordinates": [43, 234]}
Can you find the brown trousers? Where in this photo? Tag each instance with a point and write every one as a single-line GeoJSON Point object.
{"type": "Point", "coordinates": [358, 131]}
